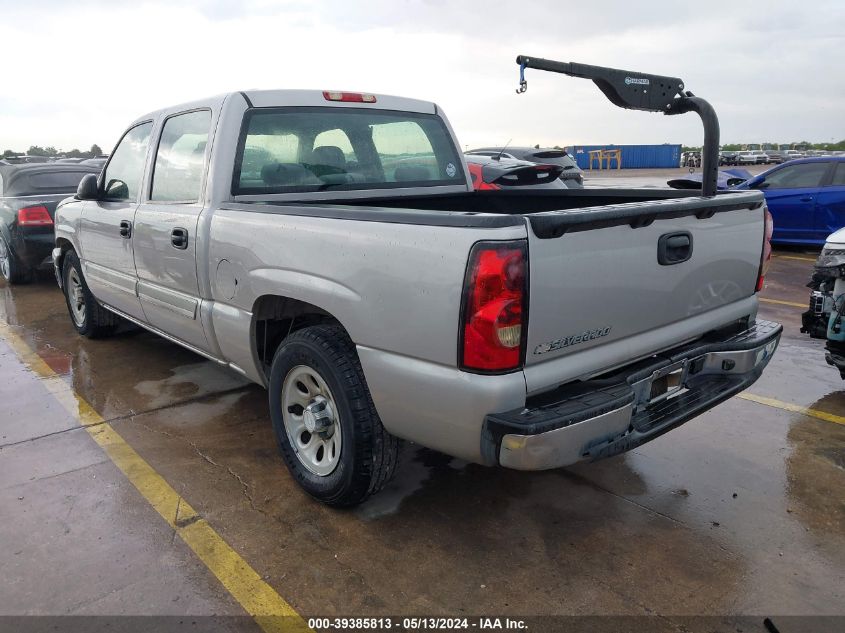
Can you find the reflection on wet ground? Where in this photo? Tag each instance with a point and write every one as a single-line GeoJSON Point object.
{"type": "Point", "coordinates": [739, 511]}
{"type": "Point", "coordinates": [815, 471]}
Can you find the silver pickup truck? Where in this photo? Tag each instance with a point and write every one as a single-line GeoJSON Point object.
{"type": "Point", "coordinates": [330, 246]}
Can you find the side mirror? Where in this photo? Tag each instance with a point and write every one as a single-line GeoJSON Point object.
{"type": "Point", "coordinates": [117, 190]}
{"type": "Point", "coordinates": [88, 189]}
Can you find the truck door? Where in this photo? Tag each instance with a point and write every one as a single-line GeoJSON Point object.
{"type": "Point", "coordinates": [166, 229]}
{"type": "Point", "coordinates": [106, 234]}
{"type": "Point", "coordinates": [830, 203]}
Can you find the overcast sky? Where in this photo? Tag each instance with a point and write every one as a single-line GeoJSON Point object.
{"type": "Point", "coordinates": [76, 73]}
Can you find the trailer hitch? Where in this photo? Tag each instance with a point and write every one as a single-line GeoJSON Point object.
{"type": "Point", "coordinates": [646, 92]}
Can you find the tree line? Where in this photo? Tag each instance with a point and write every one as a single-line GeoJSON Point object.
{"type": "Point", "coordinates": [36, 150]}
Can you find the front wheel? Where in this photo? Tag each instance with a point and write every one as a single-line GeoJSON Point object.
{"type": "Point", "coordinates": [324, 419]}
{"type": "Point", "coordinates": [87, 315]}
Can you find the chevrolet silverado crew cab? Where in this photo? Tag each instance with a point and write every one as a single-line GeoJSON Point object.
{"type": "Point", "coordinates": [330, 246]}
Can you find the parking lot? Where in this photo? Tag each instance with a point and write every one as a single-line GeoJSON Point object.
{"type": "Point", "coordinates": [138, 478]}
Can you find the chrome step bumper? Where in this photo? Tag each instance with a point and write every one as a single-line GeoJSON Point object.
{"type": "Point", "coordinates": [599, 418]}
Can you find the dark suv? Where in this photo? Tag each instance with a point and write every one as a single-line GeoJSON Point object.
{"type": "Point", "coordinates": [572, 176]}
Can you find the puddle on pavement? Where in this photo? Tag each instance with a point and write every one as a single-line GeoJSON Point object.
{"type": "Point", "coordinates": [418, 467]}
{"type": "Point", "coordinates": [816, 469]}
{"type": "Point", "coordinates": [187, 381]}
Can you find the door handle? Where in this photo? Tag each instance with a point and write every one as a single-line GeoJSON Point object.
{"type": "Point", "coordinates": [179, 238]}
{"type": "Point", "coordinates": [125, 229]}
{"type": "Point", "coordinates": [806, 199]}
{"type": "Point", "coordinates": [674, 248]}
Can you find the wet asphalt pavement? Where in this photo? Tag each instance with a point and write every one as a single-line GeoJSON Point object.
{"type": "Point", "coordinates": [740, 511]}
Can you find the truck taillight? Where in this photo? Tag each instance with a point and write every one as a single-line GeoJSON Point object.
{"type": "Point", "coordinates": [34, 216]}
{"type": "Point", "coordinates": [494, 308]}
{"type": "Point", "coordinates": [766, 255]}
{"type": "Point", "coordinates": [353, 97]}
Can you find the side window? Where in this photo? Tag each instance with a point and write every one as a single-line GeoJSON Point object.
{"type": "Point", "coordinates": [180, 158]}
{"type": "Point", "coordinates": [839, 175]}
{"type": "Point", "coordinates": [406, 152]}
{"type": "Point", "coordinates": [802, 176]}
{"type": "Point", "coordinates": [123, 175]}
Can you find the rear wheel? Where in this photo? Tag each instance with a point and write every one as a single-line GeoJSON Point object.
{"type": "Point", "coordinates": [87, 315]}
{"type": "Point", "coordinates": [324, 419]}
{"type": "Point", "coordinates": [11, 268]}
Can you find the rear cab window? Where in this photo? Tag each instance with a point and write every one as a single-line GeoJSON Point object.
{"type": "Point", "coordinates": [307, 149]}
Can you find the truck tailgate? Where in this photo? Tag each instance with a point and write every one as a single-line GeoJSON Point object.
{"type": "Point", "coordinates": [595, 275]}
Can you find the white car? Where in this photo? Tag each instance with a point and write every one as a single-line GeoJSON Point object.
{"type": "Point", "coordinates": [752, 157]}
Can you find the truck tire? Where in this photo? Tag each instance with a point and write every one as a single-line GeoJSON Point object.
{"type": "Point", "coordinates": [326, 425]}
{"type": "Point", "coordinates": [86, 314]}
{"type": "Point", "coordinates": [11, 269]}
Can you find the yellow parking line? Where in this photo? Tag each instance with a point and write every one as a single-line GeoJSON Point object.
{"type": "Point", "coordinates": [270, 611]}
{"type": "Point", "coordinates": [798, 257]}
{"type": "Point", "coordinates": [794, 304]}
{"type": "Point", "coordinates": [787, 406]}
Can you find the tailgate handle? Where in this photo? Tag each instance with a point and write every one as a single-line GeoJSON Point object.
{"type": "Point", "coordinates": [674, 248]}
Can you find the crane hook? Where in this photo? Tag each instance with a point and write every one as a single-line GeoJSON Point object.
{"type": "Point", "coordinates": [523, 85]}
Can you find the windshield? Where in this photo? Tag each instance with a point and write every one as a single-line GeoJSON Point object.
{"type": "Point", "coordinates": [285, 150]}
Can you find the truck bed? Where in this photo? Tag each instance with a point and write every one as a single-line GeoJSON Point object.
{"type": "Point", "coordinates": [587, 208]}
{"type": "Point", "coordinates": [595, 275]}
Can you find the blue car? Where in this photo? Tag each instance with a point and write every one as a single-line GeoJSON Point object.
{"type": "Point", "coordinates": [806, 198]}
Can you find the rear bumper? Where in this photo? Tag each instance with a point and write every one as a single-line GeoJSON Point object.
{"type": "Point", "coordinates": [600, 418]}
{"type": "Point", "coordinates": [32, 245]}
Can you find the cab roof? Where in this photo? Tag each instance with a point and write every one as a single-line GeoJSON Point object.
{"type": "Point", "coordinates": [298, 98]}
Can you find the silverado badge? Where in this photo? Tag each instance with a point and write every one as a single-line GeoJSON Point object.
{"type": "Point", "coordinates": [568, 341]}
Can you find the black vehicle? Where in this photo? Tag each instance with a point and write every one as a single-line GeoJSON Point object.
{"type": "Point", "coordinates": [572, 176]}
{"type": "Point", "coordinates": [728, 158]}
{"type": "Point", "coordinates": [29, 194]}
{"type": "Point", "coordinates": [490, 173]}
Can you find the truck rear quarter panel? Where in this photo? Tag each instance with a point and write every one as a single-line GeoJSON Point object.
{"type": "Point", "coordinates": [396, 289]}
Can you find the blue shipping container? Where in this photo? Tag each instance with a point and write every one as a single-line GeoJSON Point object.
{"type": "Point", "coordinates": [633, 156]}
